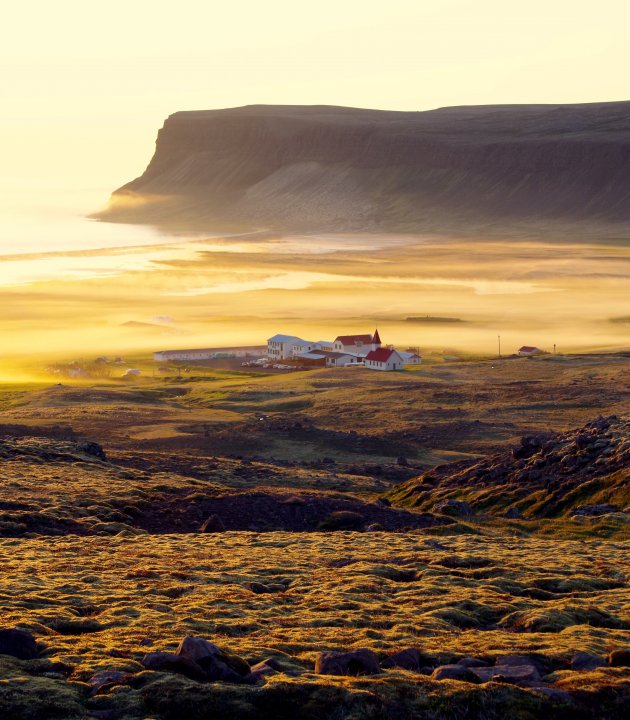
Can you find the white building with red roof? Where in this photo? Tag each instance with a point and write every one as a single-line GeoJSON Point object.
{"type": "Point", "coordinates": [384, 359]}
{"type": "Point", "coordinates": [359, 345]}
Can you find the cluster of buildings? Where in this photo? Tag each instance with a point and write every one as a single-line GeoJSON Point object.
{"type": "Point", "coordinates": [344, 350]}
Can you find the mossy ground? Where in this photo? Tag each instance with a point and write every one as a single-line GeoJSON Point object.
{"type": "Point", "coordinates": [100, 603]}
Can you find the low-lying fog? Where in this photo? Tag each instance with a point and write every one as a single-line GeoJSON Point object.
{"type": "Point", "coordinates": [240, 290]}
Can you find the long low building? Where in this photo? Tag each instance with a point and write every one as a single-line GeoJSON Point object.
{"type": "Point", "coordinates": [210, 353]}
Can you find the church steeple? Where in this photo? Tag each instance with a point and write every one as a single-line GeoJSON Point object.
{"type": "Point", "coordinates": [376, 340]}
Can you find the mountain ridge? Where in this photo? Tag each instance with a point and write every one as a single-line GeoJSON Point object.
{"type": "Point", "coordinates": [314, 168]}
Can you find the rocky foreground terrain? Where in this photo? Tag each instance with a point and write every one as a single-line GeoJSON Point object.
{"type": "Point", "coordinates": [320, 168]}
{"type": "Point", "coordinates": [584, 473]}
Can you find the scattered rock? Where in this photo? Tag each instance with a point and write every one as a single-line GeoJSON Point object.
{"type": "Point", "coordinates": [18, 643]}
{"type": "Point", "coordinates": [213, 524]}
{"type": "Point", "coordinates": [471, 662]}
{"type": "Point", "coordinates": [215, 663]}
{"type": "Point", "coordinates": [595, 510]}
{"type": "Point", "coordinates": [454, 672]}
{"type": "Point", "coordinates": [515, 674]}
{"type": "Point", "coordinates": [517, 660]}
{"type": "Point", "coordinates": [619, 658]}
{"type": "Point", "coordinates": [407, 659]}
{"type": "Point", "coordinates": [107, 678]}
{"type": "Point", "coordinates": [586, 661]}
{"type": "Point", "coordinates": [355, 662]}
{"type": "Point", "coordinates": [94, 449]}
{"type": "Point", "coordinates": [168, 662]}
{"type": "Point", "coordinates": [269, 666]}
{"type": "Point", "coordinates": [457, 508]}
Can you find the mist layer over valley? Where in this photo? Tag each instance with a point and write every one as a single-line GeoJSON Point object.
{"type": "Point", "coordinates": [243, 290]}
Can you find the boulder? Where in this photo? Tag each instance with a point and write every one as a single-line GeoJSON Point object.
{"type": "Point", "coordinates": [169, 662]}
{"type": "Point", "coordinates": [269, 666]}
{"type": "Point", "coordinates": [471, 662]}
{"type": "Point", "coordinates": [195, 648]}
{"type": "Point", "coordinates": [212, 524]}
{"type": "Point", "coordinates": [619, 658]}
{"type": "Point", "coordinates": [454, 672]}
{"type": "Point", "coordinates": [514, 674]}
{"type": "Point", "coordinates": [513, 514]}
{"type": "Point", "coordinates": [517, 660]}
{"type": "Point", "coordinates": [107, 678]}
{"type": "Point", "coordinates": [457, 508]}
{"type": "Point", "coordinates": [586, 661]}
{"type": "Point", "coordinates": [93, 449]}
{"type": "Point", "coordinates": [18, 643]}
{"type": "Point", "coordinates": [355, 662]}
{"type": "Point", "coordinates": [407, 659]}
{"type": "Point", "coordinates": [215, 663]}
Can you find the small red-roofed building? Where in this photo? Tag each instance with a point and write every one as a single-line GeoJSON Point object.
{"type": "Point", "coordinates": [384, 359]}
{"type": "Point", "coordinates": [528, 351]}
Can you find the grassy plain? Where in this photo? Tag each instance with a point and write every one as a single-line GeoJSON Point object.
{"type": "Point", "coordinates": [101, 559]}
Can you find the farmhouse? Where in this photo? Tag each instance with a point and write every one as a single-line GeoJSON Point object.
{"type": "Point", "coordinates": [302, 346]}
{"type": "Point", "coordinates": [384, 359]}
{"type": "Point", "coordinates": [326, 358]}
{"type": "Point", "coordinates": [280, 346]}
{"type": "Point", "coordinates": [528, 351]}
{"type": "Point", "coordinates": [410, 358]}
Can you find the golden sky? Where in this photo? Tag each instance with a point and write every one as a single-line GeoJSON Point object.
{"type": "Point", "coordinates": [86, 85]}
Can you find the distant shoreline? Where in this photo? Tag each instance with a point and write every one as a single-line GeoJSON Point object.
{"type": "Point", "coordinates": [433, 319]}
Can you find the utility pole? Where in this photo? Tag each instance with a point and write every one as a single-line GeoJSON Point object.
{"type": "Point", "coordinates": [499, 338]}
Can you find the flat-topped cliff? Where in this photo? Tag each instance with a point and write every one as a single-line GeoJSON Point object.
{"type": "Point", "coordinates": [316, 168]}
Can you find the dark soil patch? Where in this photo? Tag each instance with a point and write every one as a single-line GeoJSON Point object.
{"type": "Point", "coordinates": [268, 510]}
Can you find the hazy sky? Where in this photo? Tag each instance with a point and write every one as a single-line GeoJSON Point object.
{"type": "Point", "coordinates": [86, 85]}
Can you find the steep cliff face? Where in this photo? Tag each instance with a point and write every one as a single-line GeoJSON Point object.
{"type": "Point", "coordinates": [331, 168]}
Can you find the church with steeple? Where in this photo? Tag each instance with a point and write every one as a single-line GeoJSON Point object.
{"type": "Point", "coordinates": [359, 345]}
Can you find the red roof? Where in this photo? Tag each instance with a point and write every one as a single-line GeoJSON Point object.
{"type": "Point", "coordinates": [354, 339]}
{"type": "Point", "coordinates": [528, 348]}
{"type": "Point", "coordinates": [377, 338]}
{"type": "Point", "coordinates": [380, 355]}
